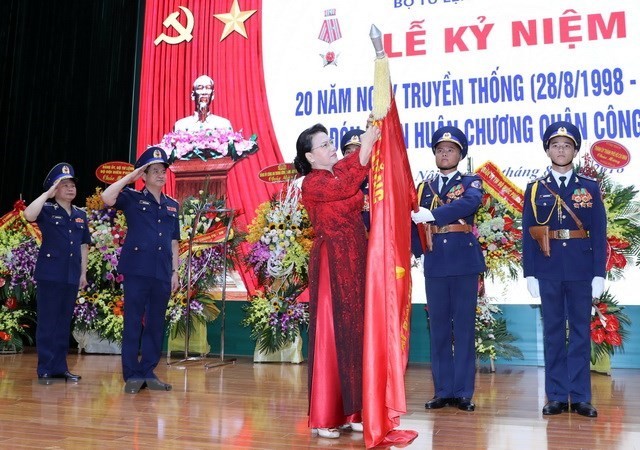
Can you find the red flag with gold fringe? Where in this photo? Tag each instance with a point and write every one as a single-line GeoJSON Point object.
{"type": "Point", "coordinates": [388, 286]}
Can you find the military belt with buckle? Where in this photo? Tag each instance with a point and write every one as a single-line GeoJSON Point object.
{"type": "Point", "coordinates": [568, 234]}
{"type": "Point", "coordinates": [453, 228]}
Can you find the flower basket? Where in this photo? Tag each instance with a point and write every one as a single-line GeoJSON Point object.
{"type": "Point", "coordinates": [91, 342]}
{"type": "Point", "coordinates": [608, 321]}
{"type": "Point", "coordinates": [281, 237]}
{"type": "Point", "coordinates": [608, 330]}
{"type": "Point", "coordinates": [19, 243]}
{"type": "Point", "coordinates": [291, 353]}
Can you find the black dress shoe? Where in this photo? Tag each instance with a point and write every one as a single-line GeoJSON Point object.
{"type": "Point", "coordinates": [584, 409]}
{"type": "Point", "coordinates": [45, 379]}
{"type": "Point", "coordinates": [156, 385]}
{"type": "Point", "coordinates": [72, 377]}
{"type": "Point", "coordinates": [465, 404]}
{"type": "Point", "coordinates": [439, 402]}
{"type": "Point", "coordinates": [554, 407]}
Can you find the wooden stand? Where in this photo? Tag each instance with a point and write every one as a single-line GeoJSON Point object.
{"type": "Point", "coordinates": [191, 174]}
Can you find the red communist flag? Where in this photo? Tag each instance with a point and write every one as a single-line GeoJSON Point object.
{"type": "Point", "coordinates": [388, 287]}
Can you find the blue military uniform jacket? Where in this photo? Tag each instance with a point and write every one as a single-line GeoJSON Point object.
{"type": "Point", "coordinates": [151, 226]}
{"type": "Point", "coordinates": [60, 254]}
{"type": "Point", "coordinates": [453, 253]}
{"type": "Point", "coordinates": [571, 259]}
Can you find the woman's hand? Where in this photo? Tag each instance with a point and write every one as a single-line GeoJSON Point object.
{"type": "Point", "coordinates": [367, 141]}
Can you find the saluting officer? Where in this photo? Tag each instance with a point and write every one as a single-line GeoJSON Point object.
{"type": "Point", "coordinates": [349, 143]}
{"type": "Point", "coordinates": [60, 269]}
{"type": "Point", "coordinates": [149, 263]}
{"type": "Point", "coordinates": [572, 275]}
{"type": "Point", "coordinates": [452, 266]}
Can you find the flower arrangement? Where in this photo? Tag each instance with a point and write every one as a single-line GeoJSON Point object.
{"type": "Point", "coordinates": [623, 248]}
{"type": "Point", "coordinates": [100, 310]}
{"type": "Point", "coordinates": [275, 317]}
{"type": "Point", "coordinates": [499, 232]}
{"type": "Point", "coordinates": [19, 244]}
{"type": "Point", "coordinates": [280, 238]}
{"type": "Point", "coordinates": [207, 144]}
{"type": "Point", "coordinates": [99, 306]}
{"type": "Point", "coordinates": [607, 327]}
{"type": "Point", "coordinates": [493, 340]}
{"type": "Point", "coordinates": [207, 261]}
{"type": "Point", "coordinates": [13, 325]}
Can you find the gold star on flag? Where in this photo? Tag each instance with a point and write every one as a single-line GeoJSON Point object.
{"type": "Point", "coordinates": [234, 20]}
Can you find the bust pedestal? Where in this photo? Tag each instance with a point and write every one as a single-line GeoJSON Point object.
{"type": "Point", "coordinates": [190, 176]}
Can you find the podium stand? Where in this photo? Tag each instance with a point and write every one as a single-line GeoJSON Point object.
{"type": "Point", "coordinates": [191, 174]}
{"type": "Point", "coordinates": [207, 210]}
{"type": "Point", "coordinates": [190, 177]}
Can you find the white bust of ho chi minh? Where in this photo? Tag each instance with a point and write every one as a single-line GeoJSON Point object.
{"type": "Point", "coordinates": [202, 94]}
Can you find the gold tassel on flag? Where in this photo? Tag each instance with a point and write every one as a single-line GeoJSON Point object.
{"type": "Point", "coordinates": [382, 77]}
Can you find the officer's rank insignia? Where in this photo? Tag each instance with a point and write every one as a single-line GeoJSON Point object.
{"type": "Point", "coordinates": [476, 184]}
{"type": "Point", "coordinates": [157, 154]}
{"type": "Point", "coordinates": [65, 170]}
{"type": "Point", "coordinates": [172, 209]}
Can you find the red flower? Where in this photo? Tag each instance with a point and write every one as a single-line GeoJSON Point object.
{"type": "Point", "coordinates": [4, 336]}
{"type": "Point", "coordinates": [19, 205]}
{"type": "Point", "coordinates": [603, 307]}
{"type": "Point", "coordinates": [613, 338]}
{"type": "Point", "coordinates": [11, 303]}
{"type": "Point", "coordinates": [618, 243]}
{"type": "Point", "coordinates": [595, 323]}
{"type": "Point", "coordinates": [616, 259]}
{"type": "Point", "coordinates": [598, 335]}
{"type": "Point", "coordinates": [613, 324]}
{"type": "Point", "coordinates": [508, 223]}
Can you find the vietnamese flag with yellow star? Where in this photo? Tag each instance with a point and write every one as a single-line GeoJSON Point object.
{"type": "Point", "coordinates": [392, 196]}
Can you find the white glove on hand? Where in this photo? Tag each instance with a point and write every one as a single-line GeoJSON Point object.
{"type": "Point", "coordinates": [597, 287]}
{"type": "Point", "coordinates": [533, 286]}
{"type": "Point", "coordinates": [424, 215]}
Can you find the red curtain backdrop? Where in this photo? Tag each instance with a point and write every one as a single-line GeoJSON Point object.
{"type": "Point", "coordinates": [236, 66]}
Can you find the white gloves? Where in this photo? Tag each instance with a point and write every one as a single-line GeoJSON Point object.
{"type": "Point", "coordinates": [424, 215]}
{"type": "Point", "coordinates": [533, 286]}
{"type": "Point", "coordinates": [597, 287]}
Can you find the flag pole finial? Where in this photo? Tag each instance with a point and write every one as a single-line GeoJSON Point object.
{"type": "Point", "coordinates": [376, 39]}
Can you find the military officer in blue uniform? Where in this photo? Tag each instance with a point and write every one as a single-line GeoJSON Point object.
{"type": "Point", "coordinates": [452, 266]}
{"type": "Point", "coordinates": [60, 269]}
{"type": "Point", "coordinates": [149, 263]}
{"type": "Point", "coordinates": [572, 274]}
{"type": "Point", "coordinates": [349, 143]}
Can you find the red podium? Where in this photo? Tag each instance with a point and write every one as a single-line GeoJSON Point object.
{"type": "Point", "coordinates": [190, 176]}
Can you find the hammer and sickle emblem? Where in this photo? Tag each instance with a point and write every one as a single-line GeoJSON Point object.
{"type": "Point", "coordinates": [184, 33]}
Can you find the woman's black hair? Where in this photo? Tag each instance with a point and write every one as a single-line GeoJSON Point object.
{"type": "Point", "coordinates": [303, 146]}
